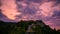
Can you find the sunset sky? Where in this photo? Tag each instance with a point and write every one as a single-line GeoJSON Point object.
{"type": "Point", "coordinates": [46, 10]}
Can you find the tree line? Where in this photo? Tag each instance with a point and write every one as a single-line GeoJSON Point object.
{"type": "Point", "coordinates": [26, 27]}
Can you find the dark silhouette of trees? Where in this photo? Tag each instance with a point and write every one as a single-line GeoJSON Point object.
{"type": "Point", "coordinates": [26, 27]}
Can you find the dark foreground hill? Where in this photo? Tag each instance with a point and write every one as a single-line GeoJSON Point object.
{"type": "Point", "coordinates": [26, 27]}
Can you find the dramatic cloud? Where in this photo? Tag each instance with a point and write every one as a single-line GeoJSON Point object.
{"type": "Point", "coordinates": [46, 10]}
{"type": "Point", "coordinates": [9, 9]}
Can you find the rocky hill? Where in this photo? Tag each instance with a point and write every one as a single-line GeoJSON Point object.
{"type": "Point", "coordinates": [26, 27]}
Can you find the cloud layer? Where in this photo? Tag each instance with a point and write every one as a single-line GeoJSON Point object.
{"type": "Point", "coordinates": [46, 10]}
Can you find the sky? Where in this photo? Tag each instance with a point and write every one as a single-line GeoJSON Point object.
{"type": "Point", "coordinates": [45, 10]}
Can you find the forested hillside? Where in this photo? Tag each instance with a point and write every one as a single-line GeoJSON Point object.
{"type": "Point", "coordinates": [26, 27]}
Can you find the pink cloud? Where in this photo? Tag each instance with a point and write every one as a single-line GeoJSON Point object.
{"type": "Point", "coordinates": [42, 11]}
{"type": "Point", "coordinates": [9, 9]}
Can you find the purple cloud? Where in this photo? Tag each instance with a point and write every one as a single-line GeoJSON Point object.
{"type": "Point", "coordinates": [46, 10]}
